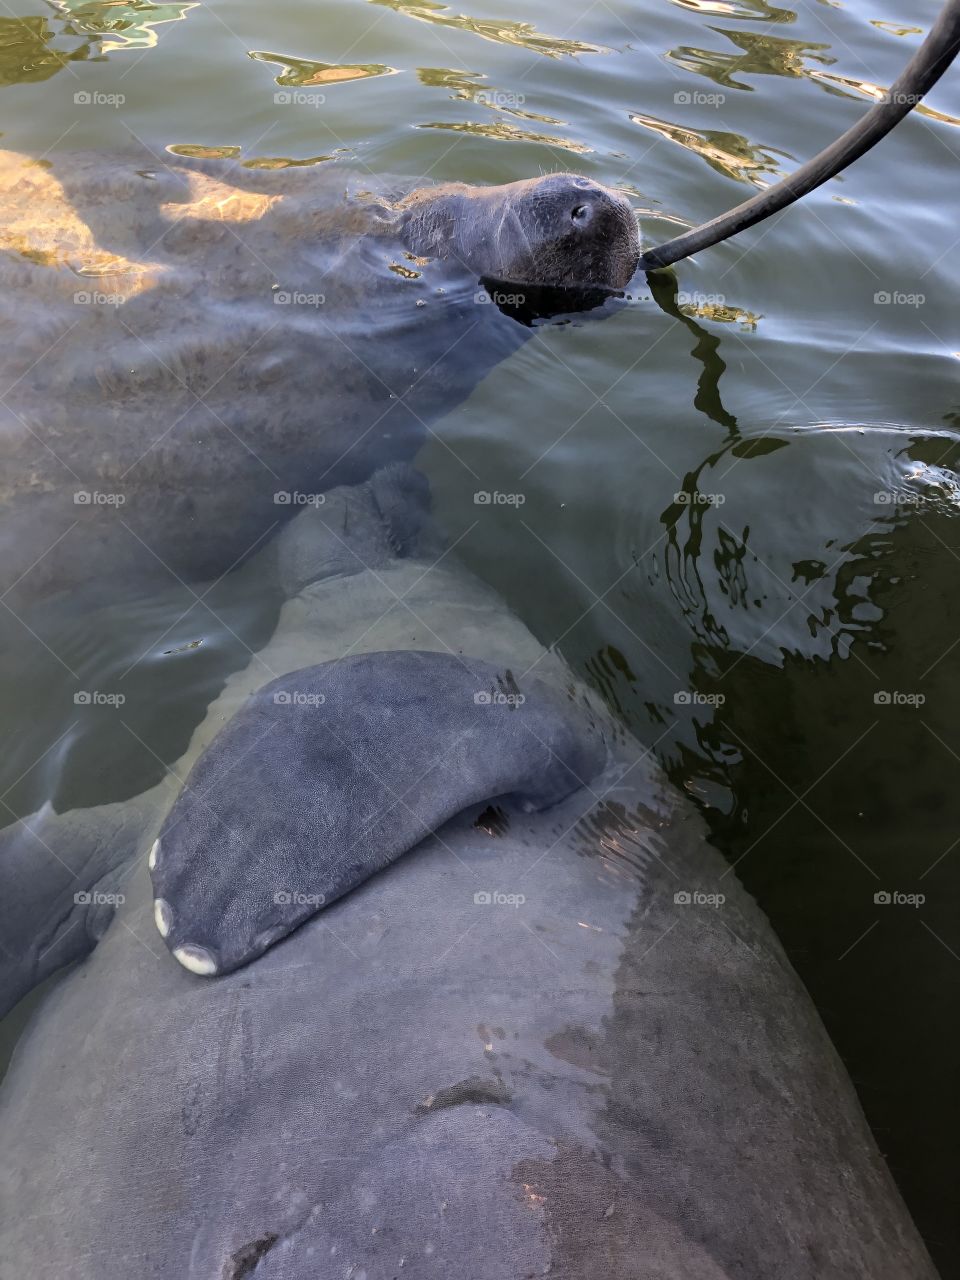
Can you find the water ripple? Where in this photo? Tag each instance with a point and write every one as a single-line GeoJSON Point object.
{"type": "Point", "coordinates": [759, 55]}
{"type": "Point", "coordinates": [500, 130]}
{"type": "Point", "coordinates": [118, 25]}
{"type": "Point", "coordinates": [523, 34]}
{"type": "Point", "coordinates": [731, 154]}
{"type": "Point", "coordinates": [302, 72]}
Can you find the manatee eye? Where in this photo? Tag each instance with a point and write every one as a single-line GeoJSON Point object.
{"type": "Point", "coordinates": [580, 213]}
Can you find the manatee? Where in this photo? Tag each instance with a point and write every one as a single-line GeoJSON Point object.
{"type": "Point", "coordinates": [189, 351]}
{"type": "Point", "coordinates": [562, 1041]}
{"type": "Point", "coordinates": [375, 751]}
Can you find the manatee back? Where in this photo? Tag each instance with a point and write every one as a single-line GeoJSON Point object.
{"type": "Point", "coordinates": [510, 1054]}
{"type": "Point", "coordinates": [180, 350]}
{"type": "Point", "coordinates": [329, 774]}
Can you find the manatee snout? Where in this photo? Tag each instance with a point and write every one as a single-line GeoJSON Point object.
{"type": "Point", "coordinates": [559, 230]}
{"type": "Point", "coordinates": [587, 233]}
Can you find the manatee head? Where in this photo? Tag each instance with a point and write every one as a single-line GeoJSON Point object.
{"type": "Point", "coordinates": [557, 230]}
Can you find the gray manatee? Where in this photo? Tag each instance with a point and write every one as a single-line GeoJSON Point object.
{"type": "Point", "coordinates": [555, 1042]}
{"type": "Point", "coordinates": [189, 350]}
{"type": "Point", "coordinates": [333, 792]}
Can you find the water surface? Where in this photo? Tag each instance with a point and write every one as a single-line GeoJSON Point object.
{"type": "Point", "coordinates": [739, 493]}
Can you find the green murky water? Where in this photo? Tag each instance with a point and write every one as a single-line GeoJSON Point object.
{"type": "Point", "coordinates": [739, 495]}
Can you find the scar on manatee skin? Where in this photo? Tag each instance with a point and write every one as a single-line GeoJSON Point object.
{"type": "Point", "coordinates": [475, 1089]}
{"type": "Point", "coordinates": [508, 685]}
{"type": "Point", "coordinates": [617, 835]}
{"type": "Point", "coordinates": [243, 1262]}
{"type": "Point", "coordinates": [494, 821]}
{"type": "Point", "coordinates": [194, 644]}
{"type": "Point", "coordinates": [487, 1035]}
{"type": "Point", "coordinates": [578, 1046]}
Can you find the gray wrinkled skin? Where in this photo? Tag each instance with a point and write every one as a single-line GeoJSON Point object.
{"type": "Point", "coordinates": [344, 767]}
{"type": "Point", "coordinates": [513, 1053]}
{"type": "Point", "coordinates": [182, 341]}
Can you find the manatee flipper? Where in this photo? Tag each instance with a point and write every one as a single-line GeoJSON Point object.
{"type": "Point", "coordinates": [353, 528]}
{"type": "Point", "coordinates": [60, 876]}
{"type": "Point", "coordinates": [329, 774]}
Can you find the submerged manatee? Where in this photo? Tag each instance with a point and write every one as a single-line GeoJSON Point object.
{"type": "Point", "coordinates": [554, 1043]}
{"type": "Point", "coordinates": [60, 871]}
{"type": "Point", "coordinates": [189, 351]}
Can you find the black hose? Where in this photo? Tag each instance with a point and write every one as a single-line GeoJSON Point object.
{"type": "Point", "coordinates": [921, 73]}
